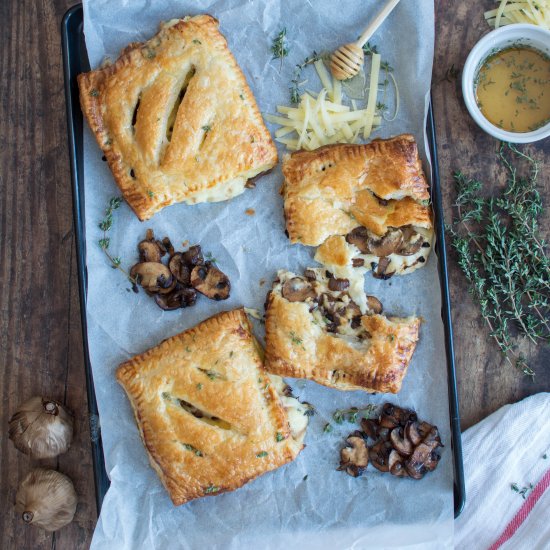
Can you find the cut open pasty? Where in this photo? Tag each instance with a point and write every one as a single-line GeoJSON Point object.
{"type": "Point", "coordinates": [176, 119]}
{"type": "Point", "coordinates": [316, 329]}
{"type": "Point", "coordinates": [209, 415]}
{"type": "Point", "coordinates": [364, 206]}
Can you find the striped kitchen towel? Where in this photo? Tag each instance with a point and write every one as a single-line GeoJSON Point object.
{"type": "Point", "coordinates": [507, 468]}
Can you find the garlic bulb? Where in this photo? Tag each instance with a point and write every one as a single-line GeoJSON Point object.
{"type": "Point", "coordinates": [41, 428]}
{"type": "Point", "coordinates": [47, 499]}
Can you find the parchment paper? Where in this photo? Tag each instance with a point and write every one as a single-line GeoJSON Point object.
{"type": "Point", "coordinates": [282, 509]}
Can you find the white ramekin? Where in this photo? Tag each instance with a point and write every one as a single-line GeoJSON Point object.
{"type": "Point", "coordinates": [521, 34]}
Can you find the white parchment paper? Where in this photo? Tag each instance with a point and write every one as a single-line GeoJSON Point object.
{"type": "Point", "coordinates": [282, 509]}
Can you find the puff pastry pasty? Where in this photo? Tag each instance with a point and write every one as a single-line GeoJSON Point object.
{"type": "Point", "coordinates": [210, 416]}
{"type": "Point", "coordinates": [314, 329]}
{"type": "Point", "coordinates": [176, 119]}
{"type": "Point", "coordinates": [365, 205]}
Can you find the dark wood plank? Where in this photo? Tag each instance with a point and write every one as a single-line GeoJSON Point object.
{"type": "Point", "coordinates": [40, 341]}
{"type": "Point", "coordinates": [485, 380]}
{"type": "Point", "coordinates": [41, 345]}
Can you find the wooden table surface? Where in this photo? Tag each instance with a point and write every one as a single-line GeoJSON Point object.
{"type": "Point", "coordinates": [41, 344]}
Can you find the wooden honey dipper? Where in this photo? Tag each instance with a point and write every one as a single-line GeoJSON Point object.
{"type": "Point", "coordinates": [347, 60]}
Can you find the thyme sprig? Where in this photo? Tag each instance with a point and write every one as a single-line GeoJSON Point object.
{"type": "Point", "coordinates": [369, 48]}
{"type": "Point", "coordinates": [352, 414]}
{"type": "Point", "coordinates": [294, 89]}
{"type": "Point", "coordinates": [503, 257]}
{"type": "Point", "coordinates": [105, 225]}
{"type": "Point", "coordinates": [280, 49]}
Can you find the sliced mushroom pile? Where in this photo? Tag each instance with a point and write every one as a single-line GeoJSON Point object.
{"type": "Point", "coordinates": [403, 241]}
{"type": "Point", "coordinates": [401, 445]}
{"type": "Point", "coordinates": [175, 284]}
{"type": "Point", "coordinates": [329, 301]}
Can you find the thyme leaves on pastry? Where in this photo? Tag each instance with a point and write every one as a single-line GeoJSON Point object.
{"type": "Point", "coordinates": [279, 437]}
{"type": "Point", "coordinates": [149, 53]}
{"type": "Point", "coordinates": [211, 489]}
{"type": "Point", "coordinates": [189, 447]}
{"type": "Point", "coordinates": [296, 340]}
{"type": "Point", "coordinates": [262, 454]}
{"type": "Point", "coordinates": [105, 225]}
{"type": "Point", "coordinates": [212, 374]}
{"type": "Point", "coordinates": [503, 256]}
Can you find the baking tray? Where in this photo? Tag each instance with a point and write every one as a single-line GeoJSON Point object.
{"type": "Point", "coordinates": [75, 61]}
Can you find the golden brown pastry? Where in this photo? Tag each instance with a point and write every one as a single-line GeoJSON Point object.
{"type": "Point", "coordinates": [316, 330]}
{"type": "Point", "coordinates": [365, 202]}
{"type": "Point", "coordinates": [176, 119]}
{"type": "Point", "coordinates": [210, 416]}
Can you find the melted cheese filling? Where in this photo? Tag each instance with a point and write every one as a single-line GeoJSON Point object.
{"type": "Point", "coordinates": [295, 411]}
{"type": "Point", "coordinates": [225, 190]}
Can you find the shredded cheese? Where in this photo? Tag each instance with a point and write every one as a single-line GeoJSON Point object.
{"type": "Point", "coordinates": [535, 12]}
{"type": "Point", "coordinates": [321, 118]}
{"type": "Point", "coordinates": [373, 93]}
{"type": "Point", "coordinates": [324, 76]}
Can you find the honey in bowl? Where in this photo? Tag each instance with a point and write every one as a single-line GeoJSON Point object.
{"type": "Point", "coordinates": [513, 89]}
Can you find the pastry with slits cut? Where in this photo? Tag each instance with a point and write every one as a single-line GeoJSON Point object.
{"type": "Point", "coordinates": [365, 206]}
{"type": "Point", "coordinates": [176, 119]}
{"type": "Point", "coordinates": [210, 417]}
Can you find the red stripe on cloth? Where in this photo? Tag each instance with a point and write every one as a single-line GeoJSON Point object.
{"type": "Point", "coordinates": [523, 512]}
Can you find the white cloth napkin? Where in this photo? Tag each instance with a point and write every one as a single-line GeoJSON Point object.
{"type": "Point", "coordinates": [507, 468]}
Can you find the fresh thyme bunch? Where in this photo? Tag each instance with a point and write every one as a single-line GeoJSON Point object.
{"type": "Point", "coordinates": [502, 255]}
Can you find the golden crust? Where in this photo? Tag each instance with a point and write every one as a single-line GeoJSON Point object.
{"type": "Point", "coordinates": [298, 347]}
{"type": "Point", "coordinates": [218, 139]}
{"type": "Point", "coordinates": [335, 188]}
{"type": "Point", "coordinates": [243, 430]}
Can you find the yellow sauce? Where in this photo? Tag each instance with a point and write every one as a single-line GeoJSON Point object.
{"type": "Point", "coordinates": [513, 89]}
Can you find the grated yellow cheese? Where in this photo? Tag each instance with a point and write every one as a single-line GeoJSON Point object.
{"type": "Point", "coordinates": [535, 12]}
{"type": "Point", "coordinates": [324, 76]}
{"type": "Point", "coordinates": [373, 93]}
{"type": "Point", "coordinates": [321, 118]}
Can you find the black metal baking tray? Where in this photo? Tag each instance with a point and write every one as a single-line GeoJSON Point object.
{"type": "Point", "coordinates": [75, 61]}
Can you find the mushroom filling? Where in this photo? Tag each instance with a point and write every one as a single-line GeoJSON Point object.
{"type": "Point", "coordinates": [329, 301]}
{"type": "Point", "coordinates": [400, 249]}
{"type": "Point", "coordinates": [175, 285]}
{"type": "Point", "coordinates": [402, 445]}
